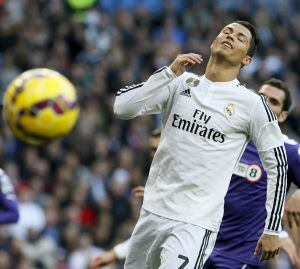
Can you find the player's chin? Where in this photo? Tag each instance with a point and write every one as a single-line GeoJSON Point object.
{"type": "Point", "coordinates": [224, 53]}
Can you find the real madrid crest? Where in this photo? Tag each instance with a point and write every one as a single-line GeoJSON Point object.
{"type": "Point", "coordinates": [192, 82]}
{"type": "Point", "coordinates": [229, 110]}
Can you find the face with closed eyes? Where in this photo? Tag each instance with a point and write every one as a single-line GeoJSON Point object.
{"type": "Point", "coordinates": [232, 44]}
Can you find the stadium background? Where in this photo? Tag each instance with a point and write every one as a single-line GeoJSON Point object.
{"type": "Point", "coordinates": [75, 193]}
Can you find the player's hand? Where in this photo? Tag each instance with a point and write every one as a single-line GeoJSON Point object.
{"type": "Point", "coordinates": [138, 191]}
{"type": "Point", "coordinates": [184, 61]}
{"type": "Point", "coordinates": [268, 245]}
{"type": "Point", "coordinates": [288, 246]}
{"type": "Point", "coordinates": [103, 259]}
{"type": "Point", "coordinates": [292, 210]}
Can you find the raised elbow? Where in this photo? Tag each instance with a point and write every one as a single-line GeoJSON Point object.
{"type": "Point", "coordinates": [122, 111]}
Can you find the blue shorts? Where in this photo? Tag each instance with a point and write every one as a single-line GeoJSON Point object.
{"type": "Point", "coordinates": [216, 261]}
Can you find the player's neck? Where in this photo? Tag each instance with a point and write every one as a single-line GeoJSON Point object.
{"type": "Point", "coordinates": [218, 71]}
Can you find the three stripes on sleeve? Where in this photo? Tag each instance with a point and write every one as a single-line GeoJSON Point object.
{"type": "Point", "coordinates": [135, 86]}
{"type": "Point", "coordinates": [280, 190]}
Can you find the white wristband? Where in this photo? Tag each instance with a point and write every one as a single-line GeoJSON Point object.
{"type": "Point", "coordinates": [121, 249]}
{"type": "Point", "coordinates": [283, 234]}
{"type": "Point", "coordinates": [271, 232]}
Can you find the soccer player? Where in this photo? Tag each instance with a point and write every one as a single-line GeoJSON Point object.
{"type": "Point", "coordinates": [245, 200]}
{"type": "Point", "coordinates": [207, 122]}
{"type": "Point", "coordinates": [244, 211]}
{"type": "Point", "coordinates": [8, 202]}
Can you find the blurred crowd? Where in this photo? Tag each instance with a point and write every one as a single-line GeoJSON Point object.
{"type": "Point", "coordinates": [75, 194]}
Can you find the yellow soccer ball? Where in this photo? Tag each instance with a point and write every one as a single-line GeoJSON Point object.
{"type": "Point", "coordinates": [40, 105]}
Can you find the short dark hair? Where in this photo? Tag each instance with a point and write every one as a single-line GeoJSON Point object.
{"type": "Point", "coordinates": [275, 82]}
{"type": "Point", "coordinates": [254, 40]}
{"type": "Point", "coordinates": [155, 133]}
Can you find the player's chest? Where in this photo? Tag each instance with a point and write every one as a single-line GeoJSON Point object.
{"type": "Point", "coordinates": [210, 108]}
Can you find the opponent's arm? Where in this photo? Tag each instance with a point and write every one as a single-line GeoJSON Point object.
{"type": "Point", "coordinates": [8, 201]}
{"type": "Point", "coordinates": [117, 253]}
{"type": "Point", "coordinates": [288, 246]}
{"type": "Point", "coordinates": [10, 211]}
{"type": "Point", "coordinates": [266, 134]}
{"type": "Point", "coordinates": [152, 95]}
{"type": "Point", "coordinates": [292, 210]}
{"type": "Point", "coordinates": [294, 165]}
{"type": "Point", "coordinates": [292, 205]}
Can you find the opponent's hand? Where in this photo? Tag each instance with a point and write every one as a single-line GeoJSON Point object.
{"type": "Point", "coordinates": [103, 259]}
{"type": "Point", "coordinates": [184, 61]}
{"type": "Point", "coordinates": [138, 191]}
{"type": "Point", "coordinates": [292, 210]}
{"type": "Point", "coordinates": [268, 245]}
{"type": "Point", "coordinates": [288, 246]}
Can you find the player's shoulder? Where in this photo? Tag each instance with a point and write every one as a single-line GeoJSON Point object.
{"type": "Point", "coordinates": [289, 141]}
{"type": "Point", "coordinates": [6, 186]}
{"type": "Point", "coordinates": [292, 149]}
{"type": "Point", "coordinates": [291, 145]}
{"type": "Point", "coordinates": [249, 97]}
{"type": "Point", "coordinates": [257, 103]}
{"type": "Point", "coordinates": [3, 176]}
{"type": "Point", "coordinates": [190, 79]}
{"type": "Point", "coordinates": [250, 93]}
{"type": "Point", "coordinates": [187, 80]}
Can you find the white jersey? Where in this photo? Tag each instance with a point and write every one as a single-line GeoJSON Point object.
{"type": "Point", "coordinates": [206, 126]}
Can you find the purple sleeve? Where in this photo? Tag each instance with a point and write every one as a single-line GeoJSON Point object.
{"type": "Point", "coordinates": [9, 210]}
{"type": "Point", "coordinates": [293, 156]}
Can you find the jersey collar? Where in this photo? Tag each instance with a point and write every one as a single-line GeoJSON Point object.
{"type": "Point", "coordinates": [226, 83]}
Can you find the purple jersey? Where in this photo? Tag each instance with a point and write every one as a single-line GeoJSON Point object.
{"type": "Point", "coordinates": [244, 210]}
{"type": "Point", "coordinates": [9, 212]}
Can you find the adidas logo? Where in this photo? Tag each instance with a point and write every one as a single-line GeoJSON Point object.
{"type": "Point", "coordinates": [186, 92]}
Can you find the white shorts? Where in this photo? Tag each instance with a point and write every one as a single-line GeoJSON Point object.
{"type": "Point", "coordinates": [163, 243]}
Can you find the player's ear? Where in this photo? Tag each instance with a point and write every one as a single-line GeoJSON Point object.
{"type": "Point", "coordinates": [247, 60]}
{"type": "Point", "coordinates": [282, 116]}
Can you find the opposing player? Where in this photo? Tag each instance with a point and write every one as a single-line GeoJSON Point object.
{"type": "Point", "coordinates": [207, 121]}
{"type": "Point", "coordinates": [244, 210]}
{"type": "Point", "coordinates": [8, 201]}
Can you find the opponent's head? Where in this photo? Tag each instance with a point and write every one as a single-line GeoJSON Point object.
{"type": "Point", "coordinates": [278, 96]}
{"type": "Point", "coordinates": [236, 43]}
{"type": "Point", "coordinates": [154, 141]}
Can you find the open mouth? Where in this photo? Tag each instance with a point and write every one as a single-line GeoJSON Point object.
{"type": "Point", "coordinates": [227, 44]}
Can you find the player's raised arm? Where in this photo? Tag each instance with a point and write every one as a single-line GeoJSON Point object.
{"type": "Point", "coordinates": [151, 96]}
{"type": "Point", "coordinates": [266, 135]}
